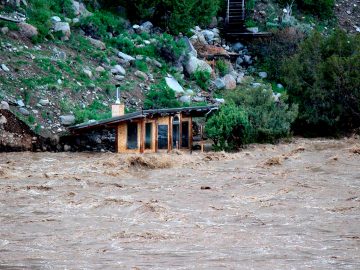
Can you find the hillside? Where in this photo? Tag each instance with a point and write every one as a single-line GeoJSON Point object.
{"type": "Point", "coordinates": [69, 74]}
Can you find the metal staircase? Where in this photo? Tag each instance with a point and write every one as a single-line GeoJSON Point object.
{"type": "Point", "coordinates": [234, 27]}
{"type": "Point", "coordinates": [235, 15]}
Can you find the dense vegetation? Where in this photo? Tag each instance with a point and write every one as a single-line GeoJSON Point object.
{"type": "Point", "coordinates": [252, 114]}
{"type": "Point", "coordinates": [324, 79]}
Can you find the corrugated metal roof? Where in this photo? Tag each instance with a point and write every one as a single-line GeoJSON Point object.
{"type": "Point", "coordinates": [194, 111]}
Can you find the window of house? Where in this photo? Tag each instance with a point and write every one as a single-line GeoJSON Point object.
{"type": "Point", "coordinates": [185, 134]}
{"type": "Point", "coordinates": [148, 135]}
{"type": "Point", "coordinates": [176, 132]}
{"type": "Point", "coordinates": [163, 136]}
{"type": "Point", "coordinates": [132, 136]}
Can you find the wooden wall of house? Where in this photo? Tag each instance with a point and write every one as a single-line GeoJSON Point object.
{"type": "Point", "coordinates": [141, 129]}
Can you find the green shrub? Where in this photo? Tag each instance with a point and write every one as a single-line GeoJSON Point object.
{"type": "Point", "coordinates": [40, 12]}
{"type": "Point", "coordinates": [324, 79]}
{"type": "Point", "coordinates": [177, 16]}
{"type": "Point", "coordinates": [96, 111]}
{"type": "Point", "coordinates": [141, 65]}
{"type": "Point", "coordinates": [202, 78]}
{"type": "Point", "coordinates": [250, 115]}
{"type": "Point", "coordinates": [160, 96]}
{"type": "Point", "coordinates": [229, 128]}
{"type": "Point", "coordinates": [322, 8]}
{"type": "Point", "coordinates": [269, 120]}
{"type": "Point", "coordinates": [101, 23]}
{"type": "Point", "coordinates": [222, 67]}
{"type": "Point", "coordinates": [273, 52]}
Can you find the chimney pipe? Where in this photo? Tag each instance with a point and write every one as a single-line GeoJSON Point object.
{"type": "Point", "coordinates": [117, 109]}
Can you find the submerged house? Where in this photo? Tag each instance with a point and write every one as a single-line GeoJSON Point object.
{"type": "Point", "coordinates": [149, 131]}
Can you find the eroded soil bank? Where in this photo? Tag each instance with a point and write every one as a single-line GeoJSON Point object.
{"type": "Point", "coordinates": [289, 206]}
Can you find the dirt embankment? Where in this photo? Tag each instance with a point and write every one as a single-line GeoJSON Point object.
{"type": "Point", "coordinates": [15, 135]}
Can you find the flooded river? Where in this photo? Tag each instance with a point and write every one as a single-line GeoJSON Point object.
{"type": "Point", "coordinates": [289, 206]}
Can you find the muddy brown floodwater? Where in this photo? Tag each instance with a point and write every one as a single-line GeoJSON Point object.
{"type": "Point", "coordinates": [289, 206]}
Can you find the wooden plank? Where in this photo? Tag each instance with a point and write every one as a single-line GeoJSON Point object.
{"type": "Point", "coordinates": [142, 136]}
{"type": "Point", "coordinates": [156, 136]}
{"type": "Point", "coordinates": [170, 135]}
{"type": "Point", "coordinates": [191, 133]}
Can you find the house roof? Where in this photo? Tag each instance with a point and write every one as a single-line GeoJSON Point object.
{"type": "Point", "coordinates": [111, 122]}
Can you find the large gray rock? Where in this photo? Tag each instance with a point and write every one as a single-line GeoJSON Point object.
{"type": "Point", "coordinates": [67, 120]}
{"type": "Point", "coordinates": [219, 83]}
{"type": "Point", "coordinates": [209, 35]}
{"type": "Point", "coordinates": [80, 9]}
{"type": "Point", "coordinates": [88, 72]}
{"type": "Point", "coordinates": [55, 19]}
{"type": "Point", "coordinates": [173, 84]}
{"type": "Point", "coordinates": [97, 43]}
{"type": "Point", "coordinates": [4, 105]}
{"type": "Point", "coordinates": [20, 103]}
{"type": "Point", "coordinates": [3, 120]}
{"type": "Point", "coordinates": [237, 47]}
{"type": "Point", "coordinates": [195, 64]}
{"type": "Point", "coordinates": [117, 69]}
{"type": "Point", "coordinates": [185, 99]}
{"type": "Point", "coordinates": [126, 57]}
{"type": "Point", "coordinates": [230, 82]}
{"type": "Point", "coordinates": [190, 48]}
{"type": "Point", "coordinates": [141, 75]}
{"type": "Point", "coordinates": [146, 27]}
{"type": "Point", "coordinates": [24, 111]}
{"type": "Point", "coordinates": [64, 28]}
{"type": "Point", "coordinates": [28, 30]}
{"type": "Point", "coordinates": [263, 75]}
{"type": "Point", "coordinates": [5, 68]}
{"type": "Point", "coordinates": [44, 102]}
{"type": "Point", "coordinates": [4, 30]}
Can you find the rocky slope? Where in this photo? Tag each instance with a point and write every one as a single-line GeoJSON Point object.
{"type": "Point", "coordinates": [58, 82]}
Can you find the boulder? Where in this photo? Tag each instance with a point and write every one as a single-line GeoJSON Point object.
{"type": "Point", "coordinates": [263, 75]}
{"type": "Point", "coordinates": [3, 120]}
{"type": "Point", "coordinates": [88, 72]}
{"type": "Point", "coordinates": [97, 43]}
{"type": "Point", "coordinates": [146, 27]}
{"type": "Point", "coordinates": [190, 48]}
{"type": "Point", "coordinates": [219, 83]}
{"type": "Point", "coordinates": [64, 28]}
{"type": "Point", "coordinates": [4, 30]}
{"type": "Point", "coordinates": [141, 75]}
{"type": "Point", "coordinates": [185, 99]}
{"type": "Point", "coordinates": [117, 69]}
{"type": "Point", "coordinates": [247, 59]}
{"type": "Point", "coordinates": [195, 64]}
{"type": "Point", "coordinates": [126, 57]}
{"type": "Point", "coordinates": [137, 28]}
{"type": "Point", "coordinates": [173, 84]}
{"type": "Point", "coordinates": [209, 35]}
{"type": "Point", "coordinates": [67, 120]}
{"type": "Point", "coordinates": [199, 99]}
{"type": "Point", "coordinates": [219, 100]}
{"type": "Point", "coordinates": [5, 68]}
{"type": "Point", "coordinates": [80, 9]}
{"type": "Point", "coordinates": [156, 63]}
{"type": "Point", "coordinates": [44, 102]}
{"type": "Point", "coordinates": [100, 69]}
{"type": "Point", "coordinates": [4, 105]}
{"type": "Point", "coordinates": [237, 47]}
{"type": "Point", "coordinates": [28, 30]}
{"type": "Point", "coordinates": [230, 82]}
{"type": "Point", "coordinates": [119, 77]}
{"type": "Point", "coordinates": [55, 19]}
{"type": "Point", "coordinates": [24, 111]}
{"type": "Point", "coordinates": [20, 103]}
